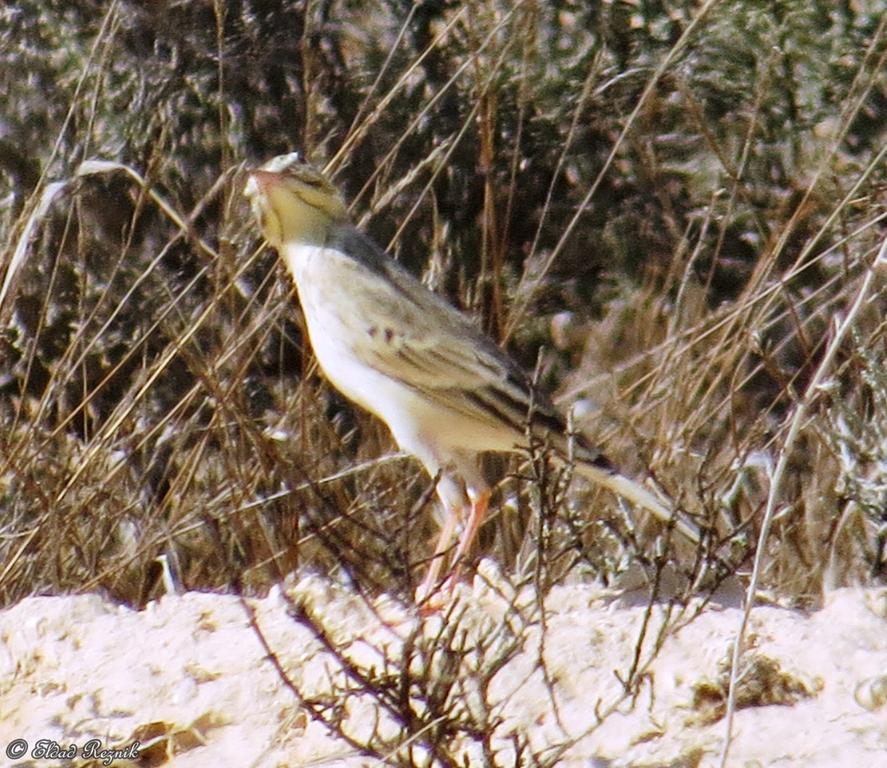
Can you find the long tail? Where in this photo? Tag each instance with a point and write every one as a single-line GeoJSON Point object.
{"type": "Point", "coordinates": [601, 472]}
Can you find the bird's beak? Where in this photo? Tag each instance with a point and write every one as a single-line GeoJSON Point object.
{"type": "Point", "coordinates": [260, 182]}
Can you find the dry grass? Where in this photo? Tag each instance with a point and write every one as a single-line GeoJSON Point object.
{"type": "Point", "coordinates": [674, 257]}
{"type": "Point", "coordinates": [662, 219]}
{"type": "Point", "coordinates": [665, 223]}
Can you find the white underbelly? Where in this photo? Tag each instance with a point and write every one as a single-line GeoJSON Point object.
{"type": "Point", "coordinates": [415, 420]}
{"type": "Point", "coordinates": [419, 425]}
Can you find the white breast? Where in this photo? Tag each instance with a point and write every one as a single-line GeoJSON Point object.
{"type": "Point", "coordinates": [318, 281]}
{"type": "Point", "coordinates": [420, 427]}
{"type": "Point", "coordinates": [319, 274]}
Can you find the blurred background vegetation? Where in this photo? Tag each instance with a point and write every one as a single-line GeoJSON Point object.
{"type": "Point", "coordinates": [662, 204]}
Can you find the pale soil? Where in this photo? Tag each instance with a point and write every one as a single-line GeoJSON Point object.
{"type": "Point", "coordinates": [190, 673]}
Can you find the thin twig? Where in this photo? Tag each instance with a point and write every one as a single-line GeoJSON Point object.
{"type": "Point", "coordinates": [797, 419]}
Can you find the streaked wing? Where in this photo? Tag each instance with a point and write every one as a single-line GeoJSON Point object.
{"type": "Point", "coordinates": [426, 344]}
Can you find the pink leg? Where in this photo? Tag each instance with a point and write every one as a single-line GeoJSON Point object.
{"type": "Point", "coordinates": [430, 587]}
{"type": "Point", "coordinates": [429, 583]}
{"type": "Point", "coordinates": [478, 511]}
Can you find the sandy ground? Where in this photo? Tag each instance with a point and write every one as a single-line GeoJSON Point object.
{"type": "Point", "coordinates": [500, 677]}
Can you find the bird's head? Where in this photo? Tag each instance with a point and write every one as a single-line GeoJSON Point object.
{"type": "Point", "coordinates": [293, 201]}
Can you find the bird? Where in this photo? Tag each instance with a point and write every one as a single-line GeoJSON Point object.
{"type": "Point", "coordinates": [391, 345]}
